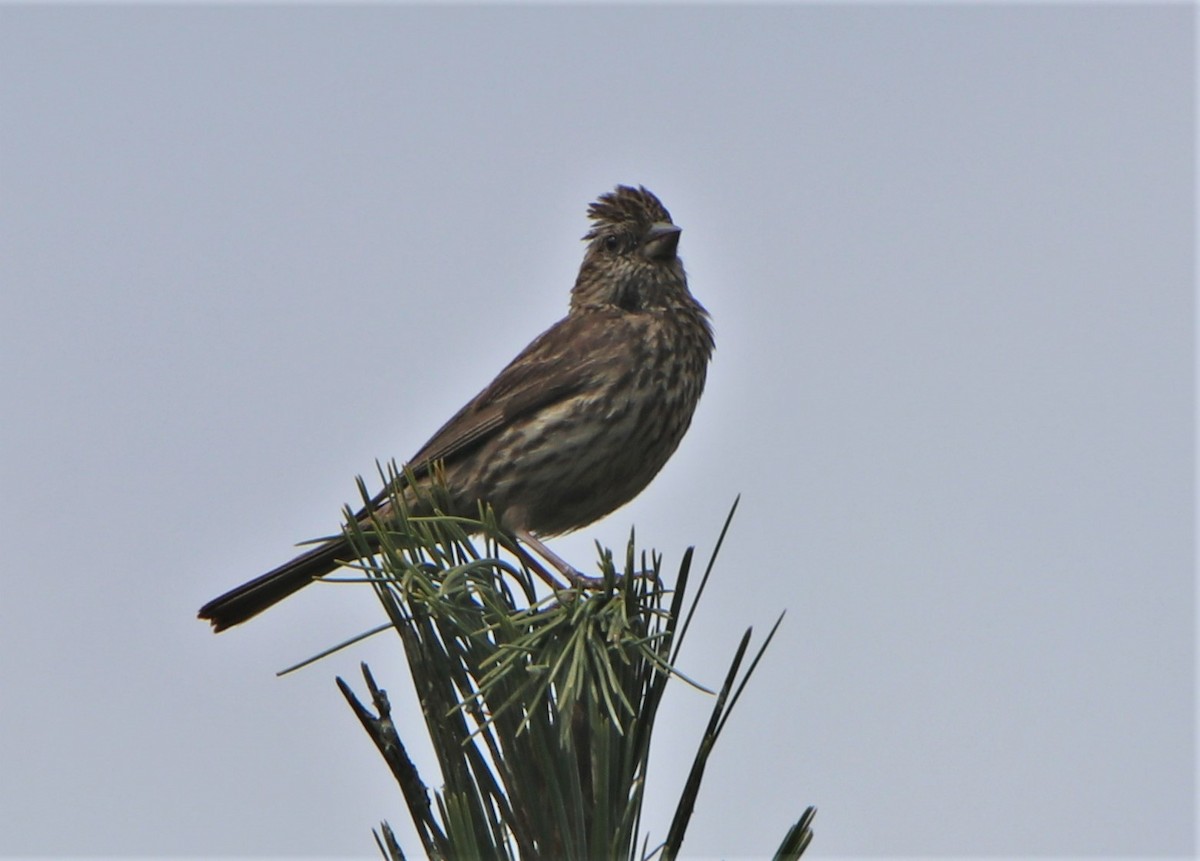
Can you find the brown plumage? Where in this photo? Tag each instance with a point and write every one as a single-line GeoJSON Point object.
{"type": "Point", "coordinates": [578, 423]}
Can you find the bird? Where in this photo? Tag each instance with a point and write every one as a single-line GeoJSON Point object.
{"type": "Point", "coordinates": [575, 426]}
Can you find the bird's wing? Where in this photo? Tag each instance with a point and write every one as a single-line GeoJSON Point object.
{"type": "Point", "coordinates": [560, 363]}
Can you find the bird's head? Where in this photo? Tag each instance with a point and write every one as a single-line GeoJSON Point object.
{"type": "Point", "coordinates": [630, 260]}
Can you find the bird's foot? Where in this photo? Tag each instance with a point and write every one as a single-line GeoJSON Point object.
{"type": "Point", "coordinates": [586, 583]}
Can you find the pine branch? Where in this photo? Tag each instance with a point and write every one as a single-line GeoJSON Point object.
{"type": "Point", "coordinates": [540, 710]}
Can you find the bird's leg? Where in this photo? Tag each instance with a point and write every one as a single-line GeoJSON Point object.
{"type": "Point", "coordinates": [538, 568]}
{"type": "Point", "coordinates": [579, 581]}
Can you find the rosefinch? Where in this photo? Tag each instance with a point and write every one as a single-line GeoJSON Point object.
{"type": "Point", "coordinates": [577, 424]}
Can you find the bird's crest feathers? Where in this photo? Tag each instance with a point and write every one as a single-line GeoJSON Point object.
{"type": "Point", "coordinates": [623, 206]}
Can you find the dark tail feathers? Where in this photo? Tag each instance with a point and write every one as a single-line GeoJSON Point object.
{"type": "Point", "coordinates": [250, 599]}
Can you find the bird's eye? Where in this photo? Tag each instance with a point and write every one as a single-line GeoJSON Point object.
{"type": "Point", "coordinates": [611, 243]}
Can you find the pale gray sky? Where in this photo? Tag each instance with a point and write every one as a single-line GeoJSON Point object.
{"type": "Point", "coordinates": [949, 255]}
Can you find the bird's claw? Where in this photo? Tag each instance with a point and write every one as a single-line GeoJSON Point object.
{"type": "Point", "coordinates": [590, 584]}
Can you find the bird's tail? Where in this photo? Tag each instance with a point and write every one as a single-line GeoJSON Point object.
{"type": "Point", "coordinates": [250, 599]}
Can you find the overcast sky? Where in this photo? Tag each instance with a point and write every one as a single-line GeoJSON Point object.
{"type": "Point", "coordinates": [948, 251]}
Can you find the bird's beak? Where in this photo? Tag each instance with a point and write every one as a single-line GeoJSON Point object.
{"type": "Point", "coordinates": [661, 241]}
